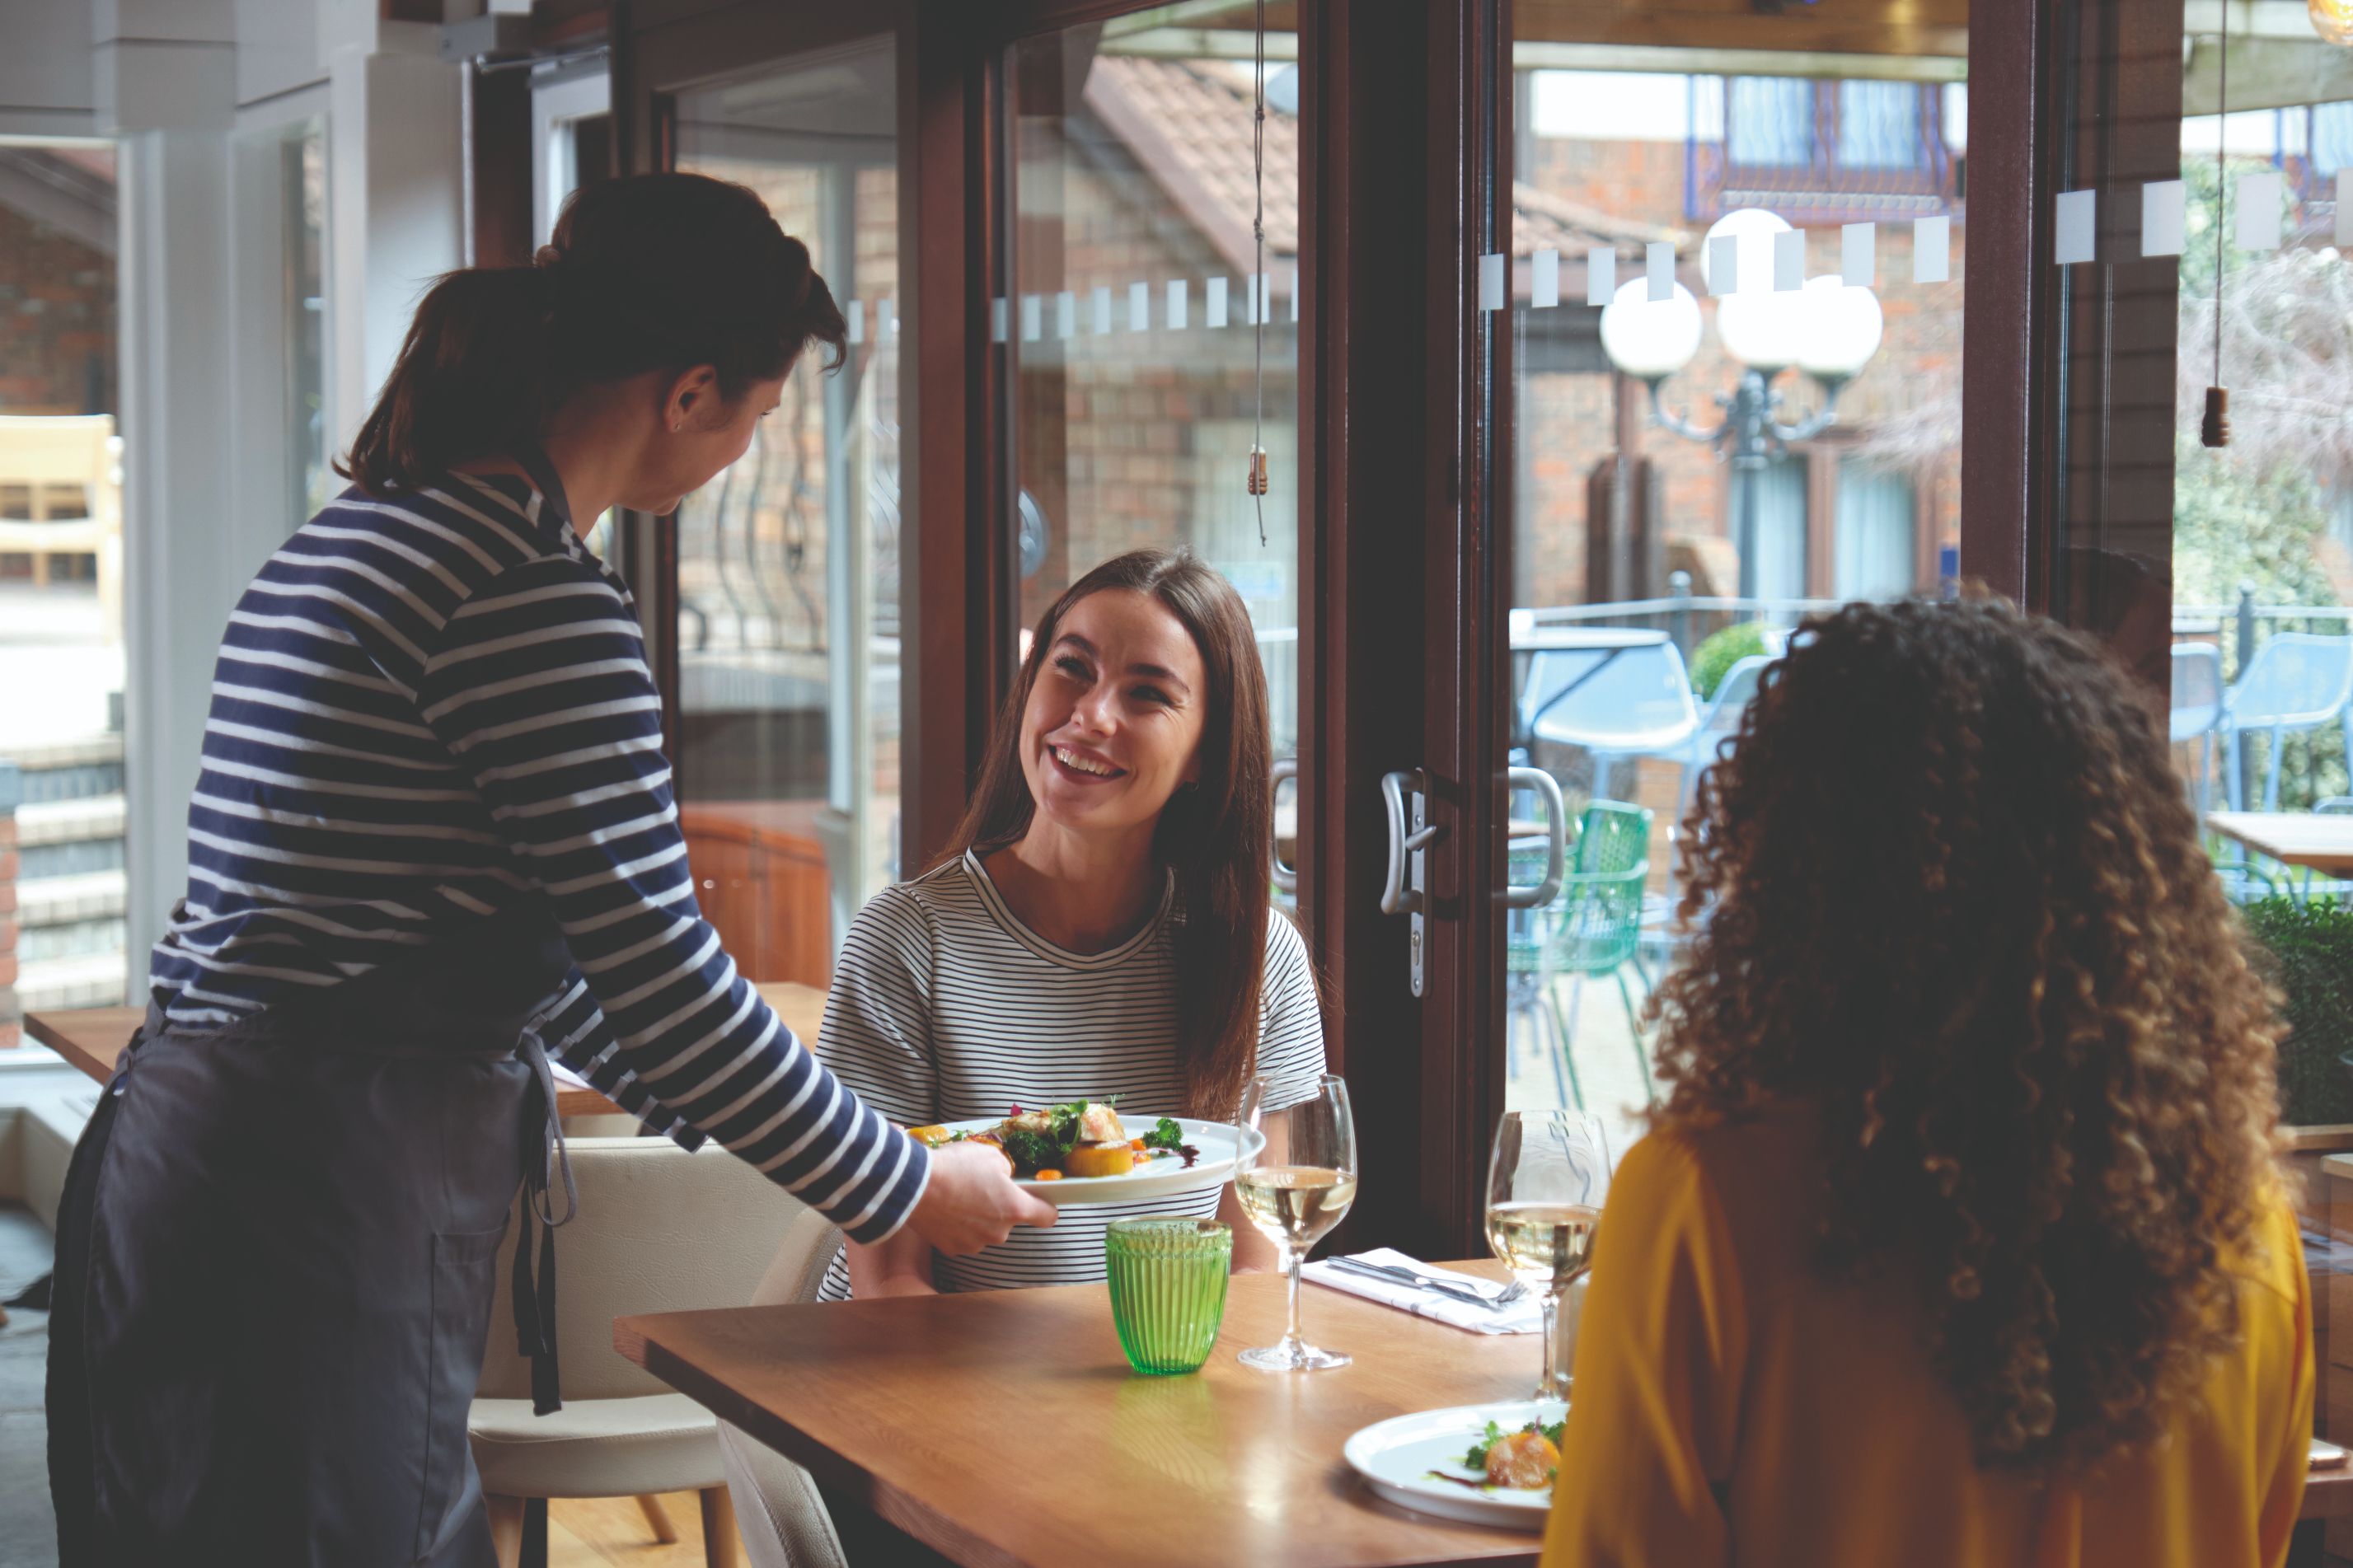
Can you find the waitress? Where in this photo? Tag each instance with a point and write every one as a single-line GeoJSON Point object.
{"type": "Point", "coordinates": [433, 844]}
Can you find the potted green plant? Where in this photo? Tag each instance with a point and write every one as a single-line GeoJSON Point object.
{"type": "Point", "coordinates": [1719, 651]}
{"type": "Point", "coordinates": [2307, 950]}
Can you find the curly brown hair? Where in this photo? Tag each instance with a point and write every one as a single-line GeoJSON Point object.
{"type": "Point", "coordinates": [1948, 888]}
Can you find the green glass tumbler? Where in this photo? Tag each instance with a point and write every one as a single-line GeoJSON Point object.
{"type": "Point", "coordinates": [1168, 1289]}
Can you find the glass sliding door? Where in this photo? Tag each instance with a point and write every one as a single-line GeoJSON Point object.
{"type": "Point", "coordinates": [1732, 297]}
{"type": "Point", "coordinates": [789, 563]}
{"type": "Point", "coordinates": [1153, 353]}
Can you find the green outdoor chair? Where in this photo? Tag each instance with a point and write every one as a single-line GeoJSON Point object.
{"type": "Point", "coordinates": [1596, 926]}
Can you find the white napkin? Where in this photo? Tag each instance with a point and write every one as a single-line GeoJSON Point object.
{"type": "Point", "coordinates": [1525, 1316]}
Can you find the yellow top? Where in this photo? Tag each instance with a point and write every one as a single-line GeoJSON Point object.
{"type": "Point", "coordinates": [1733, 1406]}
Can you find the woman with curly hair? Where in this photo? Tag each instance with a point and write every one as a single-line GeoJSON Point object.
{"type": "Point", "coordinates": [1958, 1239]}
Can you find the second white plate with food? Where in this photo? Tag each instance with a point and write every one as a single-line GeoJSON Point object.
{"type": "Point", "coordinates": [1215, 1148]}
{"type": "Point", "coordinates": [1421, 1462]}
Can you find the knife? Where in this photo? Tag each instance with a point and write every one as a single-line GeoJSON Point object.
{"type": "Point", "coordinates": [1445, 1288]}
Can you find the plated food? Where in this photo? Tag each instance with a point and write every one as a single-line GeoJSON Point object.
{"type": "Point", "coordinates": [1085, 1152]}
{"type": "Point", "coordinates": [1488, 1464]}
{"type": "Point", "coordinates": [1085, 1139]}
{"type": "Point", "coordinates": [1528, 1460]}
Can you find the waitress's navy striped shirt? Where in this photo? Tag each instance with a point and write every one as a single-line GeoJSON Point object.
{"type": "Point", "coordinates": [436, 708]}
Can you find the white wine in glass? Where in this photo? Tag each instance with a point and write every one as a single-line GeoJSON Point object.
{"type": "Point", "coordinates": [1545, 1187]}
{"type": "Point", "coordinates": [1295, 1187]}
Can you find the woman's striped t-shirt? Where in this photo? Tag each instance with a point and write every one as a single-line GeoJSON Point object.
{"type": "Point", "coordinates": [437, 708]}
{"type": "Point", "coordinates": [946, 1008]}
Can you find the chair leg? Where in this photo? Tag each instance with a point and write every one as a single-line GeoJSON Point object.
{"type": "Point", "coordinates": [2233, 786]}
{"type": "Point", "coordinates": [534, 1532]}
{"type": "Point", "coordinates": [1568, 1089]}
{"type": "Point", "coordinates": [1634, 1031]}
{"type": "Point", "coordinates": [720, 1547]}
{"type": "Point", "coordinates": [1569, 1036]}
{"type": "Point", "coordinates": [658, 1519]}
{"type": "Point", "coordinates": [506, 1529]}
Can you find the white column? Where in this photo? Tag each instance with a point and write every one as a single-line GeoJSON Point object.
{"type": "Point", "coordinates": [396, 193]}
{"type": "Point", "coordinates": [165, 83]}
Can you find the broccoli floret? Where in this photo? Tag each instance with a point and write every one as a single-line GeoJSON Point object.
{"type": "Point", "coordinates": [1031, 1150]}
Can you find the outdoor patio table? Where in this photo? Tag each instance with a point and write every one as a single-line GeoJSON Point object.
{"type": "Point", "coordinates": [2324, 844]}
{"type": "Point", "coordinates": [1572, 656]}
{"type": "Point", "coordinates": [93, 1037]}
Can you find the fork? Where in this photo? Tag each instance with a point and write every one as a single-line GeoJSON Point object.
{"type": "Point", "coordinates": [1511, 1292]}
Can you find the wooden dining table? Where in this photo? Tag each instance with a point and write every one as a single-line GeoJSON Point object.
{"type": "Point", "coordinates": [1004, 1429]}
{"type": "Point", "coordinates": [2323, 844]}
{"type": "Point", "coordinates": [91, 1038]}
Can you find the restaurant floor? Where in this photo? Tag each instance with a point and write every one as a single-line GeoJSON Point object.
{"type": "Point", "coordinates": [588, 1533]}
{"type": "Point", "coordinates": [27, 1532]}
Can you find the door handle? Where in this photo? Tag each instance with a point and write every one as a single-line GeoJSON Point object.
{"type": "Point", "coordinates": [1556, 841]}
{"type": "Point", "coordinates": [1411, 833]}
{"type": "Point", "coordinates": [1285, 770]}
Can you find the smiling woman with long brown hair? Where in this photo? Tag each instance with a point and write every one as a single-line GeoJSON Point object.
{"type": "Point", "coordinates": [1959, 1238]}
{"type": "Point", "coordinates": [1100, 924]}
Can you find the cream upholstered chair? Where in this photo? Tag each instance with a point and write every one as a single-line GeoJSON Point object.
{"type": "Point", "coordinates": [659, 1230]}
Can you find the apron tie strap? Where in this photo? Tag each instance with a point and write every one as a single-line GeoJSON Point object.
{"type": "Point", "coordinates": [534, 1302]}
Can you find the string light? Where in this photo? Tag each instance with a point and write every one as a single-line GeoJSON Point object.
{"type": "Point", "coordinates": [2333, 20]}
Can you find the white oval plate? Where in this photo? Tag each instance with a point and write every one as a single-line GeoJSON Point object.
{"type": "Point", "coordinates": [1395, 1458]}
{"type": "Point", "coordinates": [1221, 1145]}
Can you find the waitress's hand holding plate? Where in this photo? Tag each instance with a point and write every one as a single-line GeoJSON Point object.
{"type": "Point", "coordinates": [972, 1202]}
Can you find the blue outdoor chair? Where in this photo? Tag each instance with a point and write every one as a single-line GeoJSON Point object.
{"type": "Point", "coordinates": [2297, 681]}
{"type": "Point", "coordinates": [1721, 719]}
{"type": "Point", "coordinates": [2197, 710]}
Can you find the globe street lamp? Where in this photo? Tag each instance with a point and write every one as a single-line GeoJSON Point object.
{"type": "Point", "coordinates": [1828, 330]}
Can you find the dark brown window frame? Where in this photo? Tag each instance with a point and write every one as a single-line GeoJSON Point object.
{"type": "Point", "coordinates": [1405, 392]}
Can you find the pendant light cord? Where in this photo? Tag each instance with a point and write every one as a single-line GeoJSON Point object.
{"type": "Point", "coordinates": [1262, 284]}
{"type": "Point", "coordinates": [2222, 184]}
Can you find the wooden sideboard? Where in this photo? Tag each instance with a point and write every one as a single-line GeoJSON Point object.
{"type": "Point", "coordinates": [760, 875]}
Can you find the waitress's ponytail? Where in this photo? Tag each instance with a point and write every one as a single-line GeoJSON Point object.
{"type": "Point", "coordinates": [652, 272]}
{"type": "Point", "coordinates": [469, 380]}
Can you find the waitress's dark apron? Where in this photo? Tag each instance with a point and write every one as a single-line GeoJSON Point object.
{"type": "Point", "coordinates": [274, 1276]}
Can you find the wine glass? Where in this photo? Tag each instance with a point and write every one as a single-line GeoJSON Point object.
{"type": "Point", "coordinates": [1545, 1187]}
{"type": "Point", "coordinates": [1294, 1188]}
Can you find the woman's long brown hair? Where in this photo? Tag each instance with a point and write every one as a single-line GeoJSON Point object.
{"type": "Point", "coordinates": [1218, 837]}
{"type": "Point", "coordinates": [1948, 888]}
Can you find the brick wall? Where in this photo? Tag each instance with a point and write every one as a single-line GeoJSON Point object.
{"type": "Point", "coordinates": [57, 321]}
{"type": "Point", "coordinates": [1565, 418]}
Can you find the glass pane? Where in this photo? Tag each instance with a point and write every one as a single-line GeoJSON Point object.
{"type": "Point", "coordinates": [788, 562]}
{"type": "Point", "coordinates": [62, 853]}
{"type": "Point", "coordinates": [1149, 363]}
{"type": "Point", "coordinates": [303, 196]}
{"type": "Point", "coordinates": [1693, 475]}
{"type": "Point", "coordinates": [2246, 291]}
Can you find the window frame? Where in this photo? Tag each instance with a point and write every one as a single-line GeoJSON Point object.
{"type": "Point", "coordinates": [1407, 143]}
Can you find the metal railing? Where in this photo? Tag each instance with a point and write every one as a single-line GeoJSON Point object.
{"type": "Point", "coordinates": [2313, 763]}
{"type": "Point", "coordinates": [1687, 618]}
